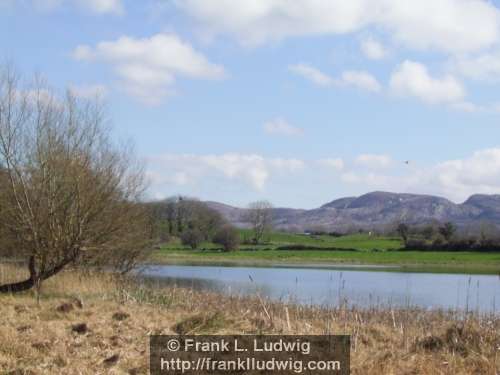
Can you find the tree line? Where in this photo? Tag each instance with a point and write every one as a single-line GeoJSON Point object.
{"type": "Point", "coordinates": [194, 223]}
{"type": "Point", "coordinates": [448, 236]}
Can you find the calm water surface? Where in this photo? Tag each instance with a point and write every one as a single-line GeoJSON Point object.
{"type": "Point", "coordinates": [329, 286]}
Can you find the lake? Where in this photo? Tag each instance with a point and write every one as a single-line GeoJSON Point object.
{"type": "Point", "coordinates": [328, 286]}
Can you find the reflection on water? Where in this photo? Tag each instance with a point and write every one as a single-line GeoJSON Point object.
{"type": "Point", "coordinates": [330, 287]}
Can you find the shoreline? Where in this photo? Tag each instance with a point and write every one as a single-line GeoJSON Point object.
{"type": "Point", "coordinates": [198, 258]}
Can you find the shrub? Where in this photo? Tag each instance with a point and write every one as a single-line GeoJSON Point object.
{"type": "Point", "coordinates": [416, 244]}
{"type": "Point", "coordinates": [403, 231]}
{"type": "Point", "coordinates": [335, 234]}
{"type": "Point", "coordinates": [447, 230]}
{"type": "Point", "coordinates": [192, 238]}
{"type": "Point", "coordinates": [428, 232]}
{"type": "Point", "coordinates": [461, 244]}
{"type": "Point", "coordinates": [228, 237]}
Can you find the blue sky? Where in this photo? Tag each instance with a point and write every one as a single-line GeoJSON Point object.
{"type": "Point", "coordinates": [298, 102]}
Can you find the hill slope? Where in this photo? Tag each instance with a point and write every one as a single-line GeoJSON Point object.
{"type": "Point", "coordinates": [378, 210]}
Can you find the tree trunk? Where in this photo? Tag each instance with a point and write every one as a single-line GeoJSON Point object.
{"type": "Point", "coordinates": [33, 280]}
{"type": "Point", "coordinates": [18, 287]}
{"type": "Point", "coordinates": [22, 286]}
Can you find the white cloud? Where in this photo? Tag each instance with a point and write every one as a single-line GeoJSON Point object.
{"type": "Point", "coordinates": [369, 181]}
{"type": "Point", "coordinates": [180, 178]}
{"type": "Point", "coordinates": [94, 6]}
{"type": "Point", "coordinates": [148, 67]}
{"type": "Point", "coordinates": [280, 126]}
{"type": "Point", "coordinates": [103, 6]}
{"type": "Point", "coordinates": [454, 179]}
{"type": "Point", "coordinates": [255, 22]}
{"type": "Point", "coordinates": [469, 107]}
{"type": "Point", "coordinates": [479, 173]}
{"type": "Point", "coordinates": [374, 160]}
{"type": "Point", "coordinates": [89, 91]}
{"type": "Point", "coordinates": [39, 95]}
{"type": "Point", "coordinates": [333, 163]}
{"type": "Point", "coordinates": [446, 25]}
{"type": "Point", "coordinates": [484, 67]}
{"type": "Point", "coordinates": [312, 74]}
{"type": "Point", "coordinates": [286, 165]}
{"type": "Point", "coordinates": [250, 169]}
{"type": "Point", "coordinates": [83, 52]}
{"type": "Point", "coordinates": [359, 79]}
{"type": "Point", "coordinates": [413, 79]}
{"type": "Point", "coordinates": [46, 4]}
{"type": "Point", "coordinates": [372, 49]}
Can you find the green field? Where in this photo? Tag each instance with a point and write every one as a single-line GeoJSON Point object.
{"type": "Point", "coordinates": [327, 250]}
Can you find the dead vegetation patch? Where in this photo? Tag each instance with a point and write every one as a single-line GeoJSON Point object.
{"type": "Point", "coordinates": [120, 316]}
{"type": "Point", "coordinates": [109, 333]}
{"type": "Point", "coordinates": [201, 324]}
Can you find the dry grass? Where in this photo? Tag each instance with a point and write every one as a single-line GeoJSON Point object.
{"type": "Point", "coordinates": [97, 324]}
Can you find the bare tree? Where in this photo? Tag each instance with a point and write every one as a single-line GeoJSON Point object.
{"type": "Point", "coordinates": [447, 230]}
{"type": "Point", "coordinates": [260, 216]}
{"type": "Point", "coordinates": [192, 238]}
{"type": "Point", "coordinates": [178, 215]}
{"type": "Point", "coordinates": [67, 194]}
{"type": "Point", "coordinates": [228, 237]}
{"type": "Point", "coordinates": [403, 230]}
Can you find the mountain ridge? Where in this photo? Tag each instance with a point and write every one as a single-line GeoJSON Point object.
{"type": "Point", "coordinates": [378, 210]}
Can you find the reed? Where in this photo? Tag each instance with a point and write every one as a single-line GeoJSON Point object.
{"type": "Point", "coordinates": [119, 314]}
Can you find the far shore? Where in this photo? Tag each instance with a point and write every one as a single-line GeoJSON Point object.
{"type": "Point", "coordinates": [395, 261]}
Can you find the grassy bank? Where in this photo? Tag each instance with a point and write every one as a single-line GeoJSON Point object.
{"type": "Point", "coordinates": [325, 250]}
{"type": "Point", "coordinates": [117, 316]}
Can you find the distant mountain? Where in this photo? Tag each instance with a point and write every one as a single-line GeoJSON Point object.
{"type": "Point", "coordinates": [487, 206]}
{"type": "Point", "coordinates": [378, 210]}
{"type": "Point", "coordinates": [234, 215]}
